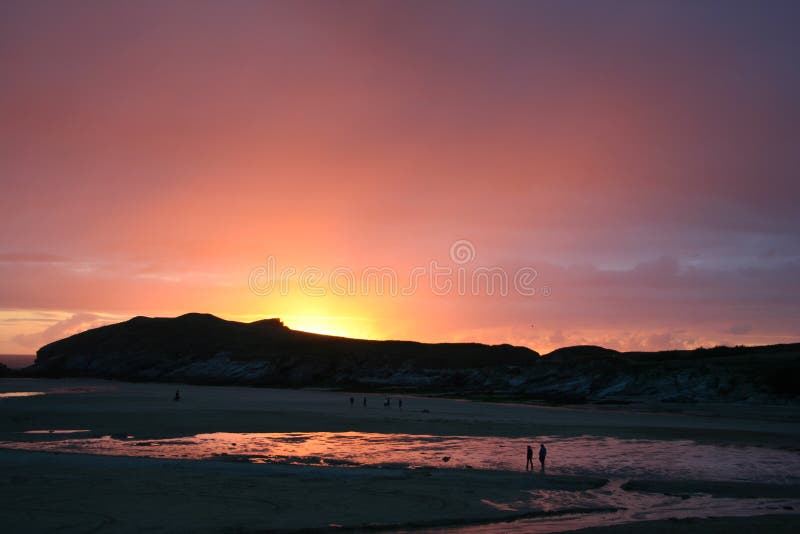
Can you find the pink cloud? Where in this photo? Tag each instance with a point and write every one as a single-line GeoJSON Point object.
{"type": "Point", "coordinates": [61, 329]}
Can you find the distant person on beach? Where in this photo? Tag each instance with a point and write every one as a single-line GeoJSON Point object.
{"type": "Point", "coordinates": [542, 455]}
{"type": "Point", "coordinates": [529, 462]}
{"type": "Point", "coordinates": [177, 395]}
{"type": "Point", "coordinates": [365, 402]}
{"type": "Point", "coordinates": [352, 401]}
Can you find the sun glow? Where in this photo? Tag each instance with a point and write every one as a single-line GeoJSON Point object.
{"type": "Point", "coordinates": [355, 327]}
{"type": "Point", "coordinates": [326, 316]}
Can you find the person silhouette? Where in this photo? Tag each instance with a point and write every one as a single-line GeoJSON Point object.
{"type": "Point", "coordinates": [542, 455]}
{"type": "Point", "coordinates": [529, 462]}
{"type": "Point", "coordinates": [352, 401]}
{"type": "Point", "coordinates": [177, 395]}
{"type": "Point", "coordinates": [365, 402]}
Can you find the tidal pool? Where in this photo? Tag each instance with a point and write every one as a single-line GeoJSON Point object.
{"type": "Point", "coordinates": [584, 455]}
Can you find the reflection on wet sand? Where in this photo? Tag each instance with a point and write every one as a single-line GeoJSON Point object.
{"type": "Point", "coordinates": [11, 394]}
{"type": "Point", "coordinates": [54, 391]}
{"type": "Point", "coordinates": [583, 455]}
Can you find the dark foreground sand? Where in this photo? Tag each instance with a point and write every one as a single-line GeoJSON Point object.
{"type": "Point", "coordinates": [79, 493]}
{"type": "Point", "coordinates": [739, 490]}
{"type": "Point", "coordinates": [765, 524]}
{"type": "Point", "coordinates": [43, 492]}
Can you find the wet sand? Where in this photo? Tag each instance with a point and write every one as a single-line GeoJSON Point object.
{"type": "Point", "coordinates": [773, 524]}
{"type": "Point", "coordinates": [737, 490]}
{"type": "Point", "coordinates": [79, 493]}
{"type": "Point", "coordinates": [147, 411]}
{"type": "Point", "coordinates": [42, 491]}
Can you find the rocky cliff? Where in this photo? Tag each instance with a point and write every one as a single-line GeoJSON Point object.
{"type": "Point", "coordinates": [201, 348]}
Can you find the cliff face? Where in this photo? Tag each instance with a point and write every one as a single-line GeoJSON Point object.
{"type": "Point", "coordinates": [205, 349]}
{"type": "Point", "coordinates": [728, 374]}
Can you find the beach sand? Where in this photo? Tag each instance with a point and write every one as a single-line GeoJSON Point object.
{"type": "Point", "coordinates": [772, 524]}
{"type": "Point", "coordinates": [75, 492]}
{"type": "Point", "coordinates": [42, 491]}
{"type": "Point", "coordinates": [147, 411]}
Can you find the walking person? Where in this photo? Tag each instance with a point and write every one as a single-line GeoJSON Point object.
{"type": "Point", "coordinates": [542, 455]}
{"type": "Point", "coordinates": [529, 462]}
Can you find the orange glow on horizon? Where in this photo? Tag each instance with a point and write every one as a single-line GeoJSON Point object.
{"type": "Point", "coordinates": [152, 155]}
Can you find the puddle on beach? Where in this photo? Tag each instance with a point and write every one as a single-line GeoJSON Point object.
{"type": "Point", "coordinates": [584, 455]}
{"type": "Point", "coordinates": [11, 394]}
{"type": "Point", "coordinates": [54, 391]}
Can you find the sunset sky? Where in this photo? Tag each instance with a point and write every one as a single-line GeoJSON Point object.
{"type": "Point", "coordinates": [641, 156]}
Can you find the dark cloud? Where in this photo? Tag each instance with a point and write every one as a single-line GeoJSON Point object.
{"type": "Point", "coordinates": [739, 329]}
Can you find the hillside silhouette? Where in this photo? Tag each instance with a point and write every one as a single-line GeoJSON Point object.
{"type": "Point", "coordinates": [202, 348]}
